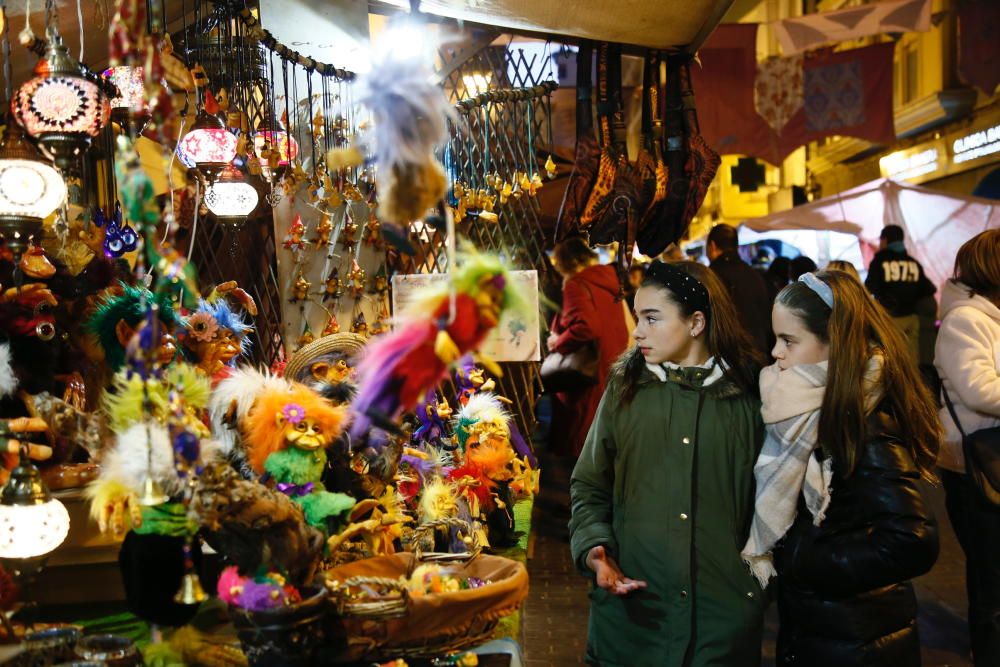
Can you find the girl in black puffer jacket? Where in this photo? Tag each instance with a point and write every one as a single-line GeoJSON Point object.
{"type": "Point", "coordinates": [839, 517]}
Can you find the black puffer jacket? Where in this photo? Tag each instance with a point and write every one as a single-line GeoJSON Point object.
{"type": "Point", "coordinates": [844, 595]}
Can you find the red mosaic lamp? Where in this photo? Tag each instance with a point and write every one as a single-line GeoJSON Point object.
{"type": "Point", "coordinates": [274, 136]}
{"type": "Point", "coordinates": [60, 108]}
{"type": "Point", "coordinates": [208, 146]}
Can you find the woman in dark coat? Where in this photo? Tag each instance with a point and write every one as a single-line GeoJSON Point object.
{"type": "Point", "coordinates": [592, 314]}
{"type": "Point", "coordinates": [838, 513]}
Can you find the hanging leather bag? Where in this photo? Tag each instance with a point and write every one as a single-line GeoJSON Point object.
{"type": "Point", "coordinates": [588, 153]}
{"type": "Point", "coordinates": [982, 457]}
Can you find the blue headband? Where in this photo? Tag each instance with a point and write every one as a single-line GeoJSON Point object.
{"type": "Point", "coordinates": [821, 288]}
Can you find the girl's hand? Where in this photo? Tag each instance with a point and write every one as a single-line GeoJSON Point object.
{"type": "Point", "coordinates": [609, 575]}
{"type": "Point", "coordinates": [551, 341]}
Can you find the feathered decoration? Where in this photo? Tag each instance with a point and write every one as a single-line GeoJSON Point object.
{"type": "Point", "coordinates": [265, 435]}
{"type": "Point", "coordinates": [128, 306]}
{"type": "Point", "coordinates": [483, 411]}
{"type": "Point", "coordinates": [411, 115]}
{"type": "Point", "coordinates": [439, 500]}
{"type": "Point", "coordinates": [400, 367]}
{"type": "Point", "coordinates": [127, 463]}
{"type": "Point", "coordinates": [125, 404]}
{"type": "Point", "coordinates": [8, 380]}
{"type": "Point", "coordinates": [232, 400]}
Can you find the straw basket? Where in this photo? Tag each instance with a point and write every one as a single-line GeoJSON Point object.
{"type": "Point", "coordinates": [427, 625]}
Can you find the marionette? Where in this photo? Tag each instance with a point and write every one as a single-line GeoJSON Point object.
{"type": "Point", "coordinates": [401, 366]}
{"type": "Point", "coordinates": [331, 286]}
{"type": "Point", "coordinates": [327, 365]}
{"type": "Point", "coordinates": [287, 435]}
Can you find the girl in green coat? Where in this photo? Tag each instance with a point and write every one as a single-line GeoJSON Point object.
{"type": "Point", "coordinates": [663, 492]}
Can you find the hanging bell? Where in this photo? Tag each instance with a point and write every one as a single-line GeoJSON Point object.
{"type": "Point", "coordinates": [152, 494]}
{"type": "Point", "coordinates": [190, 591]}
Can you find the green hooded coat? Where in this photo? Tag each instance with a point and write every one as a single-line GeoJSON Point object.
{"type": "Point", "coordinates": [666, 484]}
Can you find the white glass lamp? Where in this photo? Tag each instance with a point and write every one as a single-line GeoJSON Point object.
{"type": "Point", "coordinates": [32, 522]}
{"type": "Point", "coordinates": [231, 199]}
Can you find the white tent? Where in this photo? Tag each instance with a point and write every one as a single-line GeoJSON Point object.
{"type": "Point", "coordinates": [936, 223]}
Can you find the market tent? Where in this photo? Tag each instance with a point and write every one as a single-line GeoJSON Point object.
{"type": "Point", "coordinates": [936, 223]}
{"type": "Point", "coordinates": [641, 22]}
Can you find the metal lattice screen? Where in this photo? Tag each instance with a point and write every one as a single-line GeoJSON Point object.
{"type": "Point", "coordinates": [503, 137]}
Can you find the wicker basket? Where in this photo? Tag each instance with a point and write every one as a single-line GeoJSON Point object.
{"type": "Point", "coordinates": [432, 624]}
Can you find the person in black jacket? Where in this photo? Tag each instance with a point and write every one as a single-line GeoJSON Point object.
{"type": "Point", "coordinates": [745, 285]}
{"type": "Point", "coordinates": [850, 431]}
{"type": "Point", "coordinates": [897, 281]}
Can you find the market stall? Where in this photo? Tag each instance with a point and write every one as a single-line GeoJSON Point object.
{"type": "Point", "coordinates": [270, 328]}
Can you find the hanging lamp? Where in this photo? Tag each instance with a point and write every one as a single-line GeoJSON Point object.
{"type": "Point", "coordinates": [30, 187]}
{"type": "Point", "coordinates": [32, 522]}
{"type": "Point", "coordinates": [131, 84]}
{"type": "Point", "coordinates": [209, 146]}
{"type": "Point", "coordinates": [271, 135]}
{"type": "Point", "coordinates": [60, 108]}
{"type": "Point", "coordinates": [230, 198]}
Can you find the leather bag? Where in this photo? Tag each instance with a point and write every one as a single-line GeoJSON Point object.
{"type": "Point", "coordinates": [982, 457]}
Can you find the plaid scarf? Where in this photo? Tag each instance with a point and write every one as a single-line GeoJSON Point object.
{"type": "Point", "coordinates": [788, 465]}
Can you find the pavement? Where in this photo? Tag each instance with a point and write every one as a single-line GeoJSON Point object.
{"type": "Point", "coordinates": [555, 615]}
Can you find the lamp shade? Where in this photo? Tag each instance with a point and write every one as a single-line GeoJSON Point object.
{"type": "Point", "coordinates": [131, 85]}
{"type": "Point", "coordinates": [30, 188]}
{"type": "Point", "coordinates": [59, 107]}
{"type": "Point", "coordinates": [284, 143]}
{"type": "Point", "coordinates": [209, 145]}
{"type": "Point", "coordinates": [32, 522]}
{"type": "Point", "coordinates": [231, 199]}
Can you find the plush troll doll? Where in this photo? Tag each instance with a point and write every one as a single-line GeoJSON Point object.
{"type": "Point", "coordinates": [118, 316]}
{"type": "Point", "coordinates": [401, 366]}
{"type": "Point", "coordinates": [287, 436]}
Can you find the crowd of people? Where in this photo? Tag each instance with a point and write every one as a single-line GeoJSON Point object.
{"type": "Point", "coordinates": [763, 440]}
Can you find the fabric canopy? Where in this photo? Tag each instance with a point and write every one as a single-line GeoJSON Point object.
{"type": "Point", "coordinates": [936, 223]}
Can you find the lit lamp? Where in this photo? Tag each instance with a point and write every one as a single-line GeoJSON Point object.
{"type": "Point", "coordinates": [279, 140]}
{"type": "Point", "coordinates": [32, 522]}
{"type": "Point", "coordinates": [60, 108]}
{"type": "Point", "coordinates": [231, 199]}
{"type": "Point", "coordinates": [131, 85]}
{"type": "Point", "coordinates": [30, 189]}
{"type": "Point", "coordinates": [209, 146]}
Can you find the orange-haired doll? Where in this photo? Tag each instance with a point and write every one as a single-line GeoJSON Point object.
{"type": "Point", "coordinates": [287, 436]}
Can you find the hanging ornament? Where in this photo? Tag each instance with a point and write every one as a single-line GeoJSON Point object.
{"type": "Point", "coordinates": [300, 289]}
{"type": "Point", "coordinates": [550, 167]}
{"type": "Point", "coordinates": [331, 289]}
{"type": "Point", "coordinates": [60, 108]}
{"type": "Point", "coordinates": [373, 233]}
{"type": "Point", "coordinates": [505, 192]}
{"type": "Point", "coordinates": [360, 324]}
{"type": "Point", "coordinates": [119, 237]}
{"type": "Point", "coordinates": [306, 337]}
{"type": "Point", "coordinates": [332, 326]}
{"type": "Point", "coordinates": [356, 280]}
{"type": "Point", "coordinates": [331, 195]}
{"type": "Point", "coordinates": [323, 229]}
{"type": "Point", "coordinates": [348, 233]}
{"type": "Point", "coordinates": [380, 282]}
{"type": "Point", "coordinates": [535, 184]}
{"type": "Point", "coordinates": [294, 238]}
{"type": "Point", "coordinates": [381, 324]}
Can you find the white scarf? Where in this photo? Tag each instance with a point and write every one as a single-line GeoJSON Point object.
{"type": "Point", "coordinates": [787, 465]}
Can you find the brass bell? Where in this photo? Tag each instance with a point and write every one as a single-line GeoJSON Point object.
{"type": "Point", "coordinates": [152, 494]}
{"type": "Point", "coordinates": [190, 591]}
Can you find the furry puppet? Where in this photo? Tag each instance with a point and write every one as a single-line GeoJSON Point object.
{"type": "Point", "coordinates": [287, 434]}
{"type": "Point", "coordinates": [213, 337]}
{"type": "Point", "coordinates": [410, 113]}
{"type": "Point", "coordinates": [402, 366]}
{"type": "Point", "coordinates": [118, 316]}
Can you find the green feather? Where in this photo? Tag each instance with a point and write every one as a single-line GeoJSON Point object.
{"type": "Point", "coordinates": [126, 306]}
